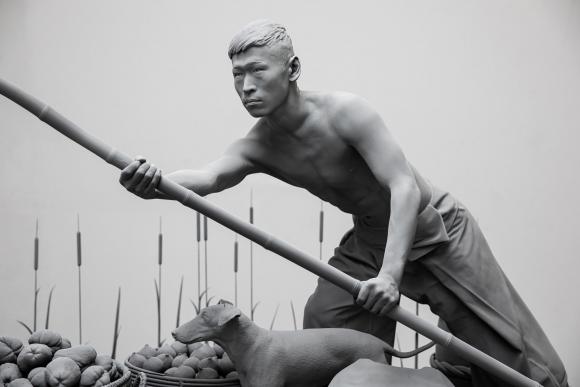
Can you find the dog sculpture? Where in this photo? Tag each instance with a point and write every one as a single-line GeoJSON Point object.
{"type": "Point", "coordinates": [265, 358]}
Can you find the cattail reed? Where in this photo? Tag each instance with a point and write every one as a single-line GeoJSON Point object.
{"type": "Point", "coordinates": [252, 306]}
{"type": "Point", "coordinates": [117, 330]}
{"type": "Point", "coordinates": [205, 254]}
{"type": "Point", "coordinates": [236, 271]}
{"type": "Point", "coordinates": [158, 285]}
{"type": "Point", "coordinates": [36, 242]}
{"type": "Point", "coordinates": [198, 224]}
{"type": "Point", "coordinates": [321, 229]}
{"type": "Point", "coordinates": [416, 337]}
{"type": "Point", "coordinates": [79, 265]}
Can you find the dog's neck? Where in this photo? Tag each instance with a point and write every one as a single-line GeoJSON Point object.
{"type": "Point", "coordinates": [240, 337]}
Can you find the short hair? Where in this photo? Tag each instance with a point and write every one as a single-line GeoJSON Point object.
{"type": "Point", "coordinates": [260, 33]}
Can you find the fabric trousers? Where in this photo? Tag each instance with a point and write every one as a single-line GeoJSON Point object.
{"type": "Point", "coordinates": [461, 282]}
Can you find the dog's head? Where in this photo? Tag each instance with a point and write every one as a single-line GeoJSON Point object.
{"type": "Point", "coordinates": [208, 324]}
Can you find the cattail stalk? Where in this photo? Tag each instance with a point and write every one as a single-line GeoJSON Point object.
{"type": "Point", "coordinates": [321, 230]}
{"type": "Point", "coordinates": [116, 331]}
{"type": "Point", "coordinates": [416, 337]}
{"type": "Point", "coordinates": [198, 224]}
{"type": "Point", "coordinates": [160, 264]}
{"type": "Point", "coordinates": [36, 243]}
{"type": "Point", "coordinates": [236, 271]}
{"type": "Point", "coordinates": [79, 265]}
{"type": "Point", "coordinates": [205, 254]}
{"type": "Point", "coordinates": [252, 306]}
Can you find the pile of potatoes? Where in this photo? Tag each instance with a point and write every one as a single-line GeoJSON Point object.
{"type": "Point", "coordinates": [49, 360]}
{"type": "Point", "coordinates": [203, 360]}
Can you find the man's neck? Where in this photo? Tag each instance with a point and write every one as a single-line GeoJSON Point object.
{"type": "Point", "coordinates": [290, 116]}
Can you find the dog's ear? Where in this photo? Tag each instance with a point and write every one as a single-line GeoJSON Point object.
{"type": "Point", "coordinates": [228, 314]}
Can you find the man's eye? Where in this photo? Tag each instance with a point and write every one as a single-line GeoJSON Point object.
{"type": "Point", "coordinates": [237, 75]}
{"type": "Point", "coordinates": [258, 70]}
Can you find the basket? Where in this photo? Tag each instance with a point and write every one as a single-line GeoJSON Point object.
{"type": "Point", "coordinates": [123, 381]}
{"type": "Point", "coordinates": [141, 377]}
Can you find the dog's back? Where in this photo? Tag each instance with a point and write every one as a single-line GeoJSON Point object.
{"type": "Point", "coordinates": [315, 356]}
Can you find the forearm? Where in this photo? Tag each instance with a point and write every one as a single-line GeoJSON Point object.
{"type": "Point", "coordinates": [199, 181]}
{"type": "Point", "coordinates": [405, 199]}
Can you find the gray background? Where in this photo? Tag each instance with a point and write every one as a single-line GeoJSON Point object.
{"type": "Point", "coordinates": [483, 97]}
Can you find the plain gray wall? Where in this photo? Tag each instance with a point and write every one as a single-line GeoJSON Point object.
{"type": "Point", "coordinates": [483, 96]}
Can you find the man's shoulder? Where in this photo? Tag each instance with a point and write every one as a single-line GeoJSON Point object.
{"type": "Point", "coordinates": [252, 144]}
{"type": "Point", "coordinates": [334, 101]}
{"type": "Point", "coordinates": [349, 113]}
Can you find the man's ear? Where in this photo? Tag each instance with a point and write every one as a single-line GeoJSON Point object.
{"type": "Point", "coordinates": [228, 314]}
{"type": "Point", "coordinates": [295, 68]}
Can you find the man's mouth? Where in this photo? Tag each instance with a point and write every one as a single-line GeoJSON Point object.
{"type": "Point", "coordinates": [252, 102]}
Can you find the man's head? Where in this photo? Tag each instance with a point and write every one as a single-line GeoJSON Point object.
{"type": "Point", "coordinates": [262, 33]}
{"type": "Point", "coordinates": [264, 66]}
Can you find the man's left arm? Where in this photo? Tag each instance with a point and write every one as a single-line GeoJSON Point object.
{"type": "Point", "coordinates": [363, 128]}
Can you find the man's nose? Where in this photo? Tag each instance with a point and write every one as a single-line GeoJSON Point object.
{"type": "Point", "coordinates": [249, 86]}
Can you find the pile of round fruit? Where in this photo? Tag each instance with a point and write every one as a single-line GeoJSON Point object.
{"type": "Point", "coordinates": [203, 360]}
{"type": "Point", "coordinates": [49, 361]}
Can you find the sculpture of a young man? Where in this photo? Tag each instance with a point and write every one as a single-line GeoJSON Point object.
{"type": "Point", "coordinates": [336, 146]}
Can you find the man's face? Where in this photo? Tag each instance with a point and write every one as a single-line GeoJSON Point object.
{"type": "Point", "coordinates": [261, 78]}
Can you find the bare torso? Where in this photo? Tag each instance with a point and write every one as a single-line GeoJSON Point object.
{"type": "Point", "coordinates": [314, 156]}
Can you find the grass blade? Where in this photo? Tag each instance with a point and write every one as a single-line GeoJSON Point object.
{"type": "Point", "coordinates": [48, 308]}
{"type": "Point", "coordinates": [255, 307]}
{"type": "Point", "coordinates": [275, 315]}
{"type": "Point", "coordinates": [117, 330]}
{"type": "Point", "coordinates": [25, 326]}
{"type": "Point", "coordinates": [158, 297]}
{"type": "Point", "coordinates": [194, 306]}
{"type": "Point", "coordinates": [179, 302]}
{"type": "Point", "coordinates": [293, 315]}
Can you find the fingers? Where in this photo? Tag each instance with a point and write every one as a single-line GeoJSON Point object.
{"type": "Point", "coordinates": [150, 190]}
{"type": "Point", "coordinates": [144, 184]}
{"type": "Point", "coordinates": [378, 297]}
{"type": "Point", "coordinates": [140, 177]}
{"type": "Point", "coordinates": [128, 171]}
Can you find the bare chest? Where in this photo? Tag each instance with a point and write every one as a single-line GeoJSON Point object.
{"type": "Point", "coordinates": [322, 163]}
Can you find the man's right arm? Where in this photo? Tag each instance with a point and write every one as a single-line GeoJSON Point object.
{"type": "Point", "coordinates": [142, 178]}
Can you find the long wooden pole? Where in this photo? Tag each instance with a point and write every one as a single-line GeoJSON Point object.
{"type": "Point", "coordinates": [190, 199]}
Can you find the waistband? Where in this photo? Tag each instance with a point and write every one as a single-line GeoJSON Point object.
{"type": "Point", "coordinates": [433, 222]}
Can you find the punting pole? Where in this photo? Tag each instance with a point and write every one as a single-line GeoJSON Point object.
{"type": "Point", "coordinates": [190, 199]}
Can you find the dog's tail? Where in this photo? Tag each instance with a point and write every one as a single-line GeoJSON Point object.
{"type": "Point", "coordinates": [390, 351]}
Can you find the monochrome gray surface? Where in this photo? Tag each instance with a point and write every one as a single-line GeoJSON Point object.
{"type": "Point", "coordinates": [480, 96]}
